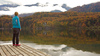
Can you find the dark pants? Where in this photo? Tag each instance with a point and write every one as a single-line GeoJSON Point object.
{"type": "Point", "coordinates": [16, 35]}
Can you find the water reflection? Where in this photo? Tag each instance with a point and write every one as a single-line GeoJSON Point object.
{"type": "Point", "coordinates": [74, 52]}
{"type": "Point", "coordinates": [55, 36]}
{"type": "Point", "coordinates": [61, 50]}
{"type": "Point", "coordinates": [59, 42]}
{"type": "Point", "coordinates": [58, 50]}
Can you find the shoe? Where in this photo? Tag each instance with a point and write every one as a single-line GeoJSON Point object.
{"type": "Point", "coordinates": [18, 44]}
{"type": "Point", "coordinates": [14, 44]}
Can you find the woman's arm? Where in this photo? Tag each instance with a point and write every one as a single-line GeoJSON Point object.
{"type": "Point", "coordinates": [18, 23]}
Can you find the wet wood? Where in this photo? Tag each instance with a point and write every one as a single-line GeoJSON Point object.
{"type": "Point", "coordinates": [23, 50]}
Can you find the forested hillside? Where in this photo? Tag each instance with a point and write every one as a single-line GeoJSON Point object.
{"type": "Point", "coordinates": [94, 7]}
{"type": "Point", "coordinates": [56, 20]}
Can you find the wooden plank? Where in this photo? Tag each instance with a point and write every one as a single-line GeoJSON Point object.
{"type": "Point", "coordinates": [29, 51]}
{"type": "Point", "coordinates": [1, 52]}
{"type": "Point", "coordinates": [14, 50]}
{"type": "Point", "coordinates": [25, 51]}
{"type": "Point", "coordinates": [36, 51]}
{"type": "Point", "coordinates": [5, 51]}
{"type": "Point", "coordinates": [21, 52]}
{"type": "Point", "coordinates": [19, 55]}
{"type": "Point", "coordinates": [29, 48]}
{"type": "Point", "coordinates": [10, 51]}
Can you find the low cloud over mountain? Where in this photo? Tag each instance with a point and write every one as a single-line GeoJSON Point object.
{"type": "Point", "coordinates": [65, 6]}
{"type": "Point", "coordinates": [37, 4]}
{"type": "Point", "coordinates": [5, 7]}
{"type": "Point", "coordinates": [55, 4]}
{"type": "Point", "coordinates": [10, 7]}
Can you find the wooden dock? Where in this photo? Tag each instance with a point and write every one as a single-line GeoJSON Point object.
{"type": "Point", "coordinates": [23, 50]}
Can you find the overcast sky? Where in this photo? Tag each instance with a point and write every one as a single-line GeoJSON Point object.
{"type": "Point", "coordinates": [70, 3]}
{"type": "Point", "coordinates": [24, 9]}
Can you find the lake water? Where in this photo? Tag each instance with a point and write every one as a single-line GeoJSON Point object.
{"type": "Point", "coordinates": [58, 42]}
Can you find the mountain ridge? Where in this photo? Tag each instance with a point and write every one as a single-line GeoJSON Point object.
{"type": "Point", "coordinates": [93, 7]}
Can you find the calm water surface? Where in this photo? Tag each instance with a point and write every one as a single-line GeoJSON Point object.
{"type": "Point", "coordinates": [65, 42]}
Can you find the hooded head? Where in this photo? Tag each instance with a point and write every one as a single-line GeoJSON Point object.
{"type": "Point", "coordinates": [16, 13]}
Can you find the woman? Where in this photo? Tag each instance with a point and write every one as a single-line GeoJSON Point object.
{"type": "Point", "coordinates": [16, 29]}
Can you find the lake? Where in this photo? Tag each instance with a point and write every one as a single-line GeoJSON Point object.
{"type": "Point", "coordinates": [58, 42]}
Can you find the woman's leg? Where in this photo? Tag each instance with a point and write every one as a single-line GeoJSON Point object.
{"type": "Point", "coordinates": [17, 36]}
{"type": "Point", "coordinates": [14, 36]}
{"type": "Point", "coordinates": [13, 40]}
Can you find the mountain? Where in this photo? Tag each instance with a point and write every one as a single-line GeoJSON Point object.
{"type": "Point", "coordinates": [55, 11]}
{"type": "Point", "coordinates": [28, 14]}
{"type": "Point", "coordinates": [24, 15]}
{"type": "Point", "coordinates": [56, 20]}
{"type": "Point", "coordinates": [93, 7]}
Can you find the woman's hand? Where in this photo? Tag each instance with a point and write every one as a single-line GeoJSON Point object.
{"type": "Point", "coordinates": [20, 29]}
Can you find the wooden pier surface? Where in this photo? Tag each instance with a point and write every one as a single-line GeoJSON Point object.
{"type": "Point", "coordinates": [23, 50]}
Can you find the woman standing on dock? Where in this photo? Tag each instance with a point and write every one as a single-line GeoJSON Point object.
{"type": "Point", "coordinates": [16, 29]}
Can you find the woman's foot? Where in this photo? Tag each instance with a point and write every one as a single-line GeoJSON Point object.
{"type": "Point", "coordinates": [18, 44]}
{"type": "Point", "coordinates": [14, 44]}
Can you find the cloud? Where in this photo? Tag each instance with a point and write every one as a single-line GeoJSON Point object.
{"type": "Point", "coordinates": [32, 9]}
{"type": "Point", "coordinates": [25, 9]}
{"type": "Point", "coordinates": [5, 2]}
{"type": "Point", "coordinates": [74, 3]}
{"type": "Point", "coordinates": [50, 7]}
{"type": "Point", "coordinates": [70, 3]}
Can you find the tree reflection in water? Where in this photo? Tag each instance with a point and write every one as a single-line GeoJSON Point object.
{"type": "Point", "coordinates": [69, 42]}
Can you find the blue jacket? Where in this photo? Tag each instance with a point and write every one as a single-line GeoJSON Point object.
{"type": "Point", "coordinates": [16, 22]}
